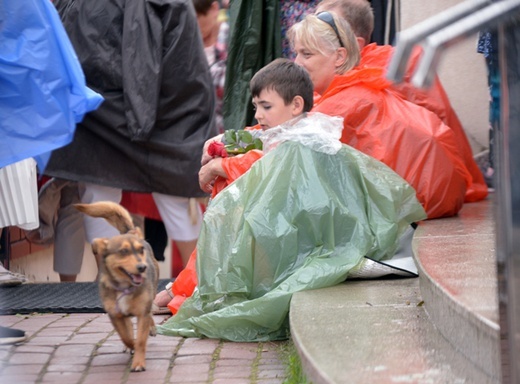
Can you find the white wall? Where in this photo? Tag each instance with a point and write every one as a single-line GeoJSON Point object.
{"type": "Point", "coordinates": [38, 266]}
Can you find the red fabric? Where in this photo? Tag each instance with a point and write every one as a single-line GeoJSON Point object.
{"type": "Point", "coordinates": [409, 139]}
{"type": "Point", "coordinates": [434, 99]}
{"type": "Point", "coordinates": [140, 204]}
{"type": "Point", "coordinates": [176, 265]}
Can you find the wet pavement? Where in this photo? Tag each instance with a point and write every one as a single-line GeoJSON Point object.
{"type": "Point", "coordinates": [84, 349]}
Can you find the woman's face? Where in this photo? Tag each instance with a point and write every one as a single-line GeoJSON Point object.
{"type": "Point", "coordinates": [321, 68]}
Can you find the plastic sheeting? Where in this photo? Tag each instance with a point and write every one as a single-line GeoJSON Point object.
{"type": "Point", "coordinates": [435, 100]}
{"type": "Point", "coordinates": [300, 218]}
{"type": "Point", "coordinates": [19, 195]}
{"type": "Point", "coordinates": [42, 86]}
{"type": "Point", "coordinates": [147, 60]}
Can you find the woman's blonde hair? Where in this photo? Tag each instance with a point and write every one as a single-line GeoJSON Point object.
{"type": "Point", "coordinates": [318, 36]}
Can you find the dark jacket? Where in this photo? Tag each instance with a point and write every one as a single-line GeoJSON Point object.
{"type": "Point", "coordinates": [147, 60]}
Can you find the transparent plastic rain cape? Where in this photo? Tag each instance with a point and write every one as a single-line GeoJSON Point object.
{"type": "Point", "coordinates": [304, 215]}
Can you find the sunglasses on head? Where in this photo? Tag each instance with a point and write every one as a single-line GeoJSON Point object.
{"type": "Point", "coordinates": [327, 18]}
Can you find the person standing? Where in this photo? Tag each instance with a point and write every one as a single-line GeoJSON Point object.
{"type": "Point", "coordinates": [42, 97]}
{"type": "Point", "coordinates": [214, 33]}
{"type": "Point", "coordinates": [148, 63]}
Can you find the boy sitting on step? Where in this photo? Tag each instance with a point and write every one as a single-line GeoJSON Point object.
{"type": "Point", "coordinates": [281, 91]}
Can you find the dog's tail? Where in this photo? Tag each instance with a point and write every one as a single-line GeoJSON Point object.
{"type": "Point", "coordinates": [112, 212]}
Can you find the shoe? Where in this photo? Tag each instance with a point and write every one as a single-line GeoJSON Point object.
{"type": "Point", "coordinates": [11, 335]}
{"type": "Point", "coordinates": [11, 279]}
{"type": "Point", "coordinates": [160, 310]}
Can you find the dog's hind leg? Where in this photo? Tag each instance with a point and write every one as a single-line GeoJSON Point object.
{"type": "Point", "coordinates": [125, 329]}
{"type": "Point", "coordinates": [143, 328]}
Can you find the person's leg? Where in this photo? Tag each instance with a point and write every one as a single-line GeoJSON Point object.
{"type": "Point", "coordinates": [69, 235]}
{"type": "Point", "coordinates": [97, 227]}
{"type": "Point", "coordinates": [181, 228]}
{"type": "Point", "coordinates": [155, 234]}
{"type": "Point", "coordinates": [8, 278]}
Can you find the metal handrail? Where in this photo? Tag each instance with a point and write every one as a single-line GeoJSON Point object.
{"type": "Point", "coordinates": [437, 42]}
{"type": "Point", "coordinates": [407, 39]}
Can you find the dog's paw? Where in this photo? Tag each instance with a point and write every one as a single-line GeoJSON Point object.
{"type": "Point", "coordinates": [153, 331]}
{"type": "Point", "coordinates": [128, 350]}
{"type": "Point", "coordinates": [138, 366]}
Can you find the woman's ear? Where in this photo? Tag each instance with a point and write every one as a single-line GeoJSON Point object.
{"type": "Point", "coordinates": [297, 105]}
{"type": "Point", "coordinates": [341, 56]}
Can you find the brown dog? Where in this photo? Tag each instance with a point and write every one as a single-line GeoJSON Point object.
{"type": "Point", "coordinates": [128, 278]}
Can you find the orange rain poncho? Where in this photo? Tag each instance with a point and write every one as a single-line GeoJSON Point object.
{"type": "Point", "coordinates": [408, 138]}
{"type": "Point", "coordinates": [234, 168]}
{"type": "Point", "coordinates": [434, 99]}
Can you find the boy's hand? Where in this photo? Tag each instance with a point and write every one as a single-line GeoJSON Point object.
{"type": "Point", "coordinates": [205, 157]}
{"type": "Point", "coordinates": [209, 172]}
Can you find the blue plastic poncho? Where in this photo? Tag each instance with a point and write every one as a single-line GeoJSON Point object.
{"type": "Point", "coordinates": [42, 87]}
{"type": "Point", "coordinates": [301, 218]}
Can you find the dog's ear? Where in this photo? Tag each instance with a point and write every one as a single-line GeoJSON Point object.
{"type": "Point", "coordinates": [99, 246]}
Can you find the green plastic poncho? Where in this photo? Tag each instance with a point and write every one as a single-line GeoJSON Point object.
{"type": "Point", "coordinates": [303, 216]}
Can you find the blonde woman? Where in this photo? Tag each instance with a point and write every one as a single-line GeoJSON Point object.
{"type": "Point", "coordinates": [410, 139]}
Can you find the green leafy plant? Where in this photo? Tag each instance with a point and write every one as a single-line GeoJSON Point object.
{"type": "Point", "coordinates": [241, 141]}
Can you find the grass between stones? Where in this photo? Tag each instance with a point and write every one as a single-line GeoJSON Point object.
{"type": "Point", "coordinates": [294, 369]}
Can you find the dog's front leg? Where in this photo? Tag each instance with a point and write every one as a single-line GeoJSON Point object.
{"type": "Point", "coordinates": [153, 329]}
{"type": "Point", "coordinates": [125, 329]}
{"type": "Point", "coordinates": [143, 329]}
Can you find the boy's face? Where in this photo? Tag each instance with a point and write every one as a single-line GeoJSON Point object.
{"type": "Point", "coordinates": [271, 109]}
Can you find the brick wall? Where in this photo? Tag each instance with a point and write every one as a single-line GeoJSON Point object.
{"type": "Point", "coordinates": [18, 245]}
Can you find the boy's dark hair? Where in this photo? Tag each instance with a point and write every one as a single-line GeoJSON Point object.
{"type": "Point", "coordinates": [285, 78]}
{"type": "Point", "coordinates": [202, 6]}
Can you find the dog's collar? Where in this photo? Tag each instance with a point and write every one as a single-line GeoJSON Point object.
{"type": "Point", "coordinates": [124, 292]}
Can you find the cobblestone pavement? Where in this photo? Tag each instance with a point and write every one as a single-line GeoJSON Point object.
{"type": "Point", "coordinates": [84, 348]}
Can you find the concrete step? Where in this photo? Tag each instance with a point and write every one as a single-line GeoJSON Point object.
{"type": "Point", "coordinates": [458, 278]}
{"type": "Point", "coordinates": [438, 328]}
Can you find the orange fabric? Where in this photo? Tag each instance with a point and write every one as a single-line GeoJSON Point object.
{"type": "Point", "coordinates": [410, 139]}
{"type": "Point", "coordinates": [184, 284]}
{"type": "Point", "coordinates": [235, 167]}
{"type": "Point", "coordinates": [186, 281]}
{"type": "Point", "coordinates": [434, 99]}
